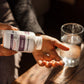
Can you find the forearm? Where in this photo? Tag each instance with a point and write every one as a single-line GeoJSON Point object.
{"type": "Point", "coordinates": [24, 15]}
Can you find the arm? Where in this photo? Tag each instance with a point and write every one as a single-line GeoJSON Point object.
{"type": "Point", "coordinates": [48, 48]}
{"type": "Point", "coordinates": [24, 15]}
{"type": "Point", "coordinates": [26, 19]}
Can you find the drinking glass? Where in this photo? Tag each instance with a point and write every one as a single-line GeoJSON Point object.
{"type": "Point", "coordinates": [71, 36]}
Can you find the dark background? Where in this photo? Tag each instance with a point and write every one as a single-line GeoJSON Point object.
{"type": "Point", "coordinates": [51, 14]}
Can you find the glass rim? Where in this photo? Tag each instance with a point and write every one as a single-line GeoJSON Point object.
{"type": "Point", "coordinates": [74, 24]}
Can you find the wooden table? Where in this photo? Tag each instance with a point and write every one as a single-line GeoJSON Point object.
{"type": "Point", "coordinates": [58, 75]}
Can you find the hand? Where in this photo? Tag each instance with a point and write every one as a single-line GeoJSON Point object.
{"type": "Point", "coordinates": [48, 56]}
{"type": "Point", "coordinates": [4, 26]}
{"type": "Point", "coordinates": [4, 51]}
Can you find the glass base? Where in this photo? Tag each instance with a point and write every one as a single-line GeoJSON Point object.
{"type": "Point", "coordinates": [70, 62]}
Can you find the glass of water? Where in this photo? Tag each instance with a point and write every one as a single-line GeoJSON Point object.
{"type": "Point", "coordinates": [71, 36]}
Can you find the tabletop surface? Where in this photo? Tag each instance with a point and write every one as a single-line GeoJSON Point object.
{"type": "Point", "coordinates": [58, 75]}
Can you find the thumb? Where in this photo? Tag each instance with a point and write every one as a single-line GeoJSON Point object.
{"type": "Point", "coordinates": [61, 45]}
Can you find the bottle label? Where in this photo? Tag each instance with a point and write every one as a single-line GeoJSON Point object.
{"type": "Point", "coordinates": [19, 40]}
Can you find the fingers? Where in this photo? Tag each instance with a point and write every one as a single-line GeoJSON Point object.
{"type": "Point", "coordinates": [6, 52]}
{"type": "Point", "coordinates": [60, 45]}
{"type": "Point", "coordinates": [52, 63]}
{"type": "Point", "coordinates": [4, 26]}
{"type": "Point", "coordinates": [14, 28]}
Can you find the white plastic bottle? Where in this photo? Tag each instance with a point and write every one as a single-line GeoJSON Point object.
{"type": "Point", "coordinates": [21, 41]}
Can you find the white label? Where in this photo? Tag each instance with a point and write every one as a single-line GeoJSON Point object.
{"type": "Point", "coordinates": [19, 40]}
